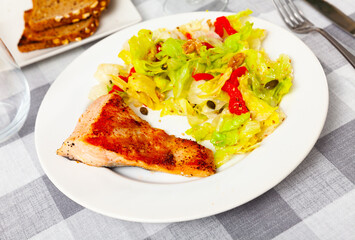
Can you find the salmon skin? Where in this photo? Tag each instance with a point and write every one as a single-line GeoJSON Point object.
{"type": "Point", "coordinates": [110, 134]}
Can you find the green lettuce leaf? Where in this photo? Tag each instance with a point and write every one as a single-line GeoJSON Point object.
{"type": "Point", "coordinates": [237, 20]}
{"type": "Point", "coordinates": [181, 80]}
{"type": "Point", "coordinates": [180, 106]}
{"type": "Point", "coordinates": [222, 139]}
{"type": "Point", "coordinates": [230, 122]}
{"type": "Point", "coordinates": [212, 88]}
{"type": "Point", "coordinates": [142, 46]}
{"type": "Point", "coordinates": [142, 54]}
{"type": "Point", "coordinates": [227, 132]}
{"type": "Point", "coordinates": [142, 88]}
{"type": "Point", "coordinates": [201, 132]}
{"type": "Point", "coordinates": [264, 70]}
{"type": "Point", "coordinates": [172, 48]}
{"type": "Point", "coordinates": [245, 140]}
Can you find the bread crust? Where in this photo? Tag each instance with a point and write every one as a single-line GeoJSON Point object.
{"type": "Point", "coordinates": [40, 20]}
{"type": "Point", "coordinates": [32, 40]}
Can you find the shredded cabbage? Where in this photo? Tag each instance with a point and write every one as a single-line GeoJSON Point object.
{"type": "Point", "coordinates": [165, 61]}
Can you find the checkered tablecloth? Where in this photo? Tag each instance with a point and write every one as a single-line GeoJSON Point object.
{"type": "Point", "coordinates": [316, 201]}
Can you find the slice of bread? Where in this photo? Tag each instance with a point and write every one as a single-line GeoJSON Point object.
{"type": "Point", "coordinates": [32, 40]}
{"type": "Point", "coordinates": [48, 14]}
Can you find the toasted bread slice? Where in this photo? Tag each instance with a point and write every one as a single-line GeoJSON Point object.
{"type": "Point", "coordinates": [32, 40]}
{"type": "Point", "coordinates": [110, 134]}
{"type": "Point", "coordinates": [48, 14]}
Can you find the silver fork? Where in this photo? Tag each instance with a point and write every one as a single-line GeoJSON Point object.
{"type": "Point", "coordinates": [296, 21]}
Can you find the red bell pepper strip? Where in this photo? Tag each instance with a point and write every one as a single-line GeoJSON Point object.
{"type": "Point", "coordinates": [236, 101]}
{"type": "Point", "coordinates": [223, 23]}
{"type": "Point", "coordinates": [123, 78]}
{"type": "Point", "coordinates": [158, 47]}
{"type": "Point", "coordinates": [188, 35]}
{"type": "Point", "coordinates": [237, 104]}
{"type": "Point", "coordinates": [233, 82]}
{"type": "Point", "coordinates": [117, 88]}
{"type": "Point", "coordinates": [218, 27]}
{"type": "Point", "coordinates": [236, 74]}
{"type": "Point", "coordinates": [202, 76]}
{"type": "Point", "coordinates": [131, 72]}
{"type": "Point", "coordinates": [229, 87]}
{"type": "Point", "coordinates": [208, 46]}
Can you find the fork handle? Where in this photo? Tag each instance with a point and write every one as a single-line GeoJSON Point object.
{"type": "Point", "coordinates": [350, 57]}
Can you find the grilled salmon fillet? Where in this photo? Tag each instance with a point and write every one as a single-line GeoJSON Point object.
{"type": "Point", "coordinates": [110, 134]}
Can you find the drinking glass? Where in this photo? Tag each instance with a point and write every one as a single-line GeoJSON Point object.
{"type": "Point", "coordinates": [179, 6]}
{"type": "Point", "coordinates": [14, 95]}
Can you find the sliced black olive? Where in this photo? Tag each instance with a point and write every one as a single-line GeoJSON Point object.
{"type": "Point", "coordinates": [143, 110]}
{"type": "Point", "coordinates": [211, 104]}
{"type": "Point", "coordinates": [272, 84]}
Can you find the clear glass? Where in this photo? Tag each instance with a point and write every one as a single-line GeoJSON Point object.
{"type": "Point", "coordinates": [14, 95]}
{"type": "Point", "coordinates": [180, 6]}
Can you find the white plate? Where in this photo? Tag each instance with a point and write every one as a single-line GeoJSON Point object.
{"type": "Point", "coordinates": [138, 195]}
{"type": "Point", "coordinates": [120, 14]}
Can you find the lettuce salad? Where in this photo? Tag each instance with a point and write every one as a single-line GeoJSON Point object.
{"type": "Point", "coordinates": [213, 72]}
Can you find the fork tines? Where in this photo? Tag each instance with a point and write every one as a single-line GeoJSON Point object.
{"type": "Point", "coordinates": [292, 16]}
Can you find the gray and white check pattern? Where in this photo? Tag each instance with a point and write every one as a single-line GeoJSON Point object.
{"type": "Point", "coordinates": [316, 201]}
